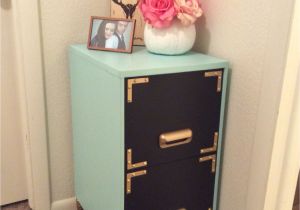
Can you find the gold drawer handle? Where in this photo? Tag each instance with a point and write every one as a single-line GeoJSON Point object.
{"type": "Point", "coordinates": [175, 138]}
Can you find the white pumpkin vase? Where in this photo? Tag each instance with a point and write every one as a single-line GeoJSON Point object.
{"type": "Point", "coordinates": [174, 40]}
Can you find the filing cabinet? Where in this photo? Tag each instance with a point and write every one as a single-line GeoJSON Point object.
{"type": "Point", "coordinates": [147, 129]}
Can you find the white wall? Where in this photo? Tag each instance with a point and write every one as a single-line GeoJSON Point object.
{"type": "Point", "coordinates": [63, 23]}
{"type": "Point", "coordinates": [252, 35]}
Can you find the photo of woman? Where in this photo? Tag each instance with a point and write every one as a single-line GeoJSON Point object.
{"type": "Point", "coordinates": [105, 35]}
{"type": "Point", "coordinates": [111, 34]}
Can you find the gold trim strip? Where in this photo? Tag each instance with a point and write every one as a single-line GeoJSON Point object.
{"type": "Point", "coordinates": [213, 160]}
{"type": "Point", "coordinates": [131, 82]}
{"type": "Point", "coordinates": [130, 176]}
{"type": "Point", "coordinates": [131, 165]}
{"type": "Point", "coordinates": [215, 74]}
{"type": "Point", "coordinates": [214, 147]}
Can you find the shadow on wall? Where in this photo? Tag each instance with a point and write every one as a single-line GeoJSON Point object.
{"type": "Point", "coordinates": [297, 196]}
{"type": "Point", "coordinates": [6, 4]}
{"type": "Point", "coordinates": [203, 36]}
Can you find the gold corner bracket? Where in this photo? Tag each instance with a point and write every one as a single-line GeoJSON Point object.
{"type": "Point", "coordinates": [213, 161]}
{"type": "Point", "coordinates": [131, 82]}
{"type": "Point", "coordinates": [214, 147]}
{"type": "Point", "coordinates": [217, 74]}
{"type": "Point", "coordinates": [132, 175]}
{"type": "Point", "coordinates": [131, 165]}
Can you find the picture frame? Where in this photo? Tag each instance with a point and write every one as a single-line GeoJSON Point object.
{"type": "Point", "coordinates": [111, 34]}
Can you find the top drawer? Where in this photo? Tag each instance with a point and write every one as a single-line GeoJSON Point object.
{"type": "Point", "coordinates": [165, 103]}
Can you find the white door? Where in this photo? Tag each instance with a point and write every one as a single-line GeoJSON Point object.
{"type": "Point", "coordinates": [13, 181]}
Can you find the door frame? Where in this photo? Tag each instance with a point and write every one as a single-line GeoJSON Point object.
{"type": "Point", "coordinates": [30, 64]}
{"type": "Point", "coordinates": [285, 159]}
{"type": "Point", "coordinates": [275, 156]}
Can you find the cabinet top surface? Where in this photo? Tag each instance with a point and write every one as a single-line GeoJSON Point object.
{"type": "Point", "coordinates": [141, 62]}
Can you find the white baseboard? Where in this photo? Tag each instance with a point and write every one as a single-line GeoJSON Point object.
{"type": "Point", "coordinates": [66, 204]}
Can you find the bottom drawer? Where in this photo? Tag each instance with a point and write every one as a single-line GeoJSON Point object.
{"type": "Point", "coordinates": [181, 185]}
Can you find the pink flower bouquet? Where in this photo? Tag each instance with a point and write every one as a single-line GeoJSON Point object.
{"type": "Point", "coordinates": [161, 13]}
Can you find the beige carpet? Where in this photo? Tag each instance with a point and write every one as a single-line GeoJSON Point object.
{"type": "Point", "coordinates": [16, 206]}
{"type": "Point", "coordinates": [24, 206]}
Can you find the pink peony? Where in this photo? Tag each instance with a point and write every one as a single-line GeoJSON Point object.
{"type": "Point", "coordinates": [158, 13]}
{"type": "Point", "coordinates": [188, 11]}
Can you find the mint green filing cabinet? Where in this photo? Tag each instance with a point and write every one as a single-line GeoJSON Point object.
{"type": "Point", "coordinates": [147, 129]}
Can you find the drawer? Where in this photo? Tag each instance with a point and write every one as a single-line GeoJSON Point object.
{"type": "Point", "coordinates": [163, 104]}
{"type": "Point", "coordinates": [174, 97]}
{"type": "Point", "coordinates": [187, 184]}
{"type": "Point", "coordinates": [147, 143]}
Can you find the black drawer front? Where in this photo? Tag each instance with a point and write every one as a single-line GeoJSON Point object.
{"type": "Point", "coordinates": [174, 97]}
{"type": "Point", "coordinates": [186, 184]}
{"type": "Point", "coordinates": [168, 103]}
{"type": "Point", "coordinates": [146, 147]}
